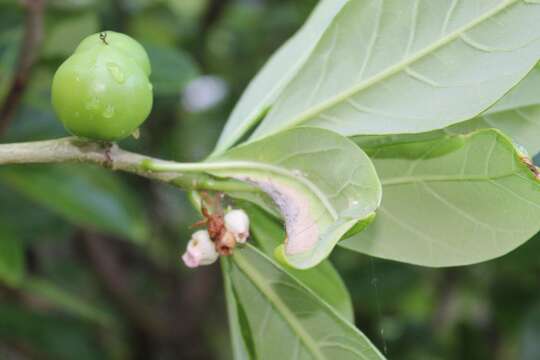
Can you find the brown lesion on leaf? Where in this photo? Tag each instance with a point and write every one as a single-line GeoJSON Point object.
{"type": "Point", "coordinates": [534, 169]}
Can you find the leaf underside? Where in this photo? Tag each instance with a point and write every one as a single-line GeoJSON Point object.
{"type": "Point", "coordinates": [451, 200]}
{"type": "Point", "coordinates": [285, 319]}
{"type": "Point", "coordinates": [386, 67]}
{"type": "Point", "coordinates": [322, 183]}
{"type": "Point", "coordinates": [323, 279]}
{"type": "Point", "coordinates": [517, 114]}
{"type": "Point", "coordinates": [275, 75]}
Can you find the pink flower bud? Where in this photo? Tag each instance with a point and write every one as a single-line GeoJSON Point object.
{"type": "Point", "coordinates": [200, 250]}
{"type": "Point", "coordinates": [237, 223]}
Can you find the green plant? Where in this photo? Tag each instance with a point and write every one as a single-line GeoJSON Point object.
{"type": "Point", "coordinates": [397, 144]}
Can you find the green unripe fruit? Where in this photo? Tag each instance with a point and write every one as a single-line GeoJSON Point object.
{"type": "Point", "coordinates": [101, 92]}
{"type": "Point", "coordinates": [126, 44]}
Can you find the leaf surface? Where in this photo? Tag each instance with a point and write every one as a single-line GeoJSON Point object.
{"type": "Point", "coordinates": [285, 319]}
{"type": "Point", "coordinates": [322, 183]}
{"type": "Point", "coordinates": [323, 279]}
{"type": "Point", "coordinates": [385, 67]}
{"type": "Point", "coordinates": [451, 200]}
{"type": "Point", "coordinates": [278, 71]}
{"type": "Point", "coordinates": [517, 114]}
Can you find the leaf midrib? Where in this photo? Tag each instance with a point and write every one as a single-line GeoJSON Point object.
{"type": "Point", "coordinates": [400, 66]}
{"type": "Point", "coordinates": [279, 305]}
{"type": "Point", "coordinates": [401, 180]}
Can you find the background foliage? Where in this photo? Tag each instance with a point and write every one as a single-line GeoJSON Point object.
{"type": "Point", "coordinates": [89, 259]}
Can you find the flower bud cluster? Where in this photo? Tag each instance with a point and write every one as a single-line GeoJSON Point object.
{"type": "Point", "coordinates": [205, 247]}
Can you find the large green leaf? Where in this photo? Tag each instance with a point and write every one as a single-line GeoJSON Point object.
{"type": "Point", "coordinates": [86, 196]}
{"type": "Point", "coordinates": [241, 339]}
{"type": "Point", "coordinates": [322, 183]}
{"type": "Point", "coordinates": [322, 279]}
{"type": "Point", "coordinates": [523, 95]}
{"type": "Point", "coordinates": [280, 318]}
{"type": "Point", "coordinates": [451, 200]}
{"type": "Point", "coordinates": [11, 256]}
{"type": "Point", "coordinates": [277, 72]}
{"type": "Point", "coordinates": [407, 66]}
{"type": "Point", "coordinates": [517, 114]}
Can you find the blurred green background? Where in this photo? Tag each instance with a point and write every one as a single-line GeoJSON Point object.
{"type": "Point", "coordinates": [89, 259]}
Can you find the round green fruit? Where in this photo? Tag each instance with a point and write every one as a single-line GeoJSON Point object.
{"type": "Point", "coordinates": [122, 42]}
{"type": "Point", "coordinates": [100, 93]}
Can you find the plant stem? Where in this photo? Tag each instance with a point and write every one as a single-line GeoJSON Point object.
{"type": "Point", "coordinates": [188, 176]}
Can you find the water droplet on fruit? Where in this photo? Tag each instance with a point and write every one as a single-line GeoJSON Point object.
{"type": "Point", "coordinates": [99, 87]}
{"type": "Point", "coordinates": [116, 73]}
{"type": "Point", "coordinates": [92, 104]}
{"type": "Point", "coordinates": [108, 112]}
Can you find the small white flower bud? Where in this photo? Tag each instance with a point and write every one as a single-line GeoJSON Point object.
{"type": "Point", "coordinates": [237, 223]}
{"type": "Point", "coordinates": [200, 250]}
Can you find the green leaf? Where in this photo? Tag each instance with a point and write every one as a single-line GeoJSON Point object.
{"type": "Point", "coordinates": [523, 95]}
{"type": "Point", "coordinates": [323, 279]}
{"type": "Point", "coordinates": [386, 67]}
{"type": "Point", "coordinates": [451, 200]}
{"type": "Point", "coordinates": [65, 301]}
{"type": "Point", "coordinates": [517, 114]}
{"type": "Point", "coordinates": [322, 183]}
{"type": "Point", "coordinates": [86, 196]}
{"type": "Point", "coordinates": [172, 69]}
{"type": "Point", "coordinates": [283, 319]}
{"type": "Point", "coordinates": [11, 257]}
{"type": "Point", "coordinates": [276, 74]}
{"type": "Point", "coordinates": [241, 339]}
